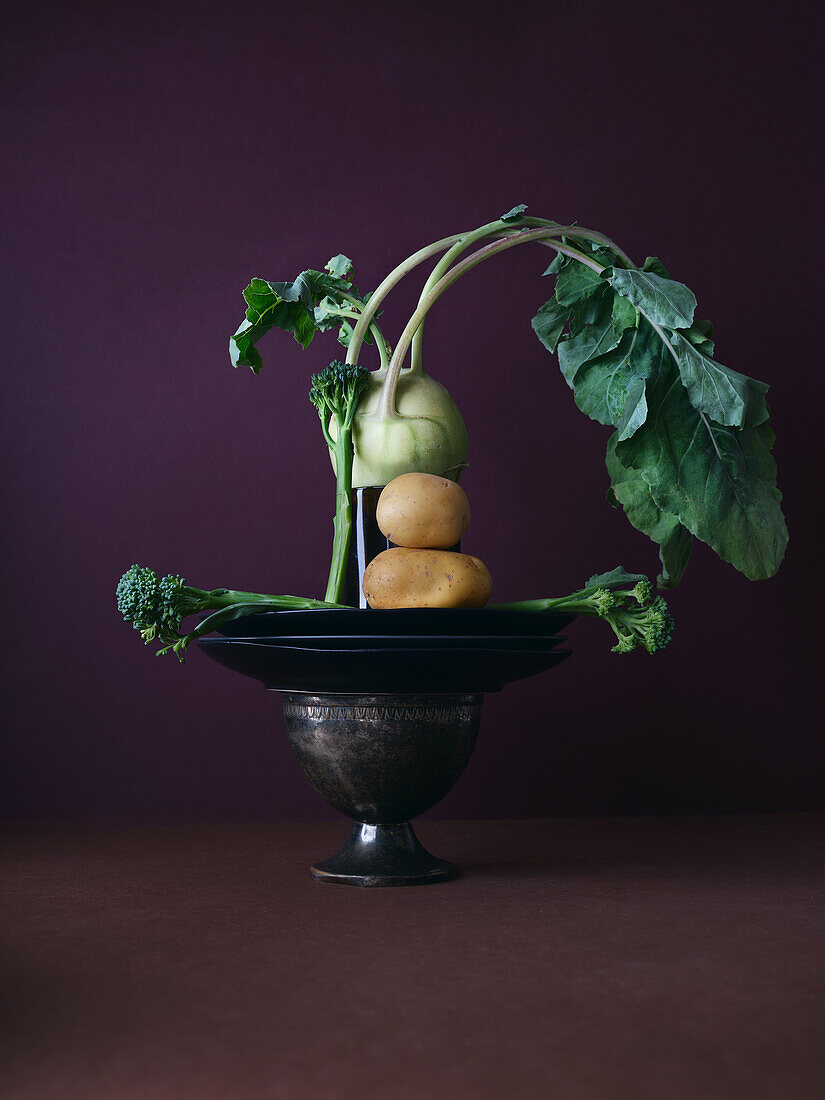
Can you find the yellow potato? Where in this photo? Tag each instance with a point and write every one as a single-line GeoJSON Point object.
{"type": "Point", "coordinates": [423, 511]}
{"type": "Point", "coordinates": [400, 577]}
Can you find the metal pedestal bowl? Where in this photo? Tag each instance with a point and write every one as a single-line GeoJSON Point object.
{"type": "Point", "coordinates": [382, 760]}
{"type": "Point", "coordinates": [382, 711]}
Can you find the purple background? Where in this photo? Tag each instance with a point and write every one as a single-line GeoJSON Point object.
{"type": "Point", "coordinates": [158, 156]}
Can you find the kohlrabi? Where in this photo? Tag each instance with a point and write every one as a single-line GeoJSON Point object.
{"type": "Point", "coordinates": [690, 451]}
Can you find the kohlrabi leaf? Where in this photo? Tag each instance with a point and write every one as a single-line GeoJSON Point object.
{"type": "Point", "coordinates": [632, 492]}
{"type": "Point", "coordinates": [700, 335]}
{"type": "Point", "coordinates": [576, 282]}
{"type": "Point", "coordinates": [340, 267]}
{"type": "Point", "coordinates": [718, 481]}
{"type": "Point", "coordinates": [242, 351]}
{"type": "Point", "coordinates": [595, 338]}
{"type": "Point", "coordinates": [558, 262]}
{"type": "Point", "coordinates": [272, 305]}
{"type": "Point", "coordinates": [291, 307]}
{"type": "Point", "coordinates": [514, 215]}
{"type": "Point", "coordinates": [549, 322]}
{"type": "Point", "coordinates": [723, 394]}
{"type": "Point", "coordinates": [634, 413]}
{"type": "Point", "coordinates": [654, 264]}
{"type": "Point", "coordinates": [691, 452]}
{"type": "Point", "coordinates": [665, 301]}
{"type": "Point", "coordinates": [625, 314]}
{"type": "Point", "coordinates": [286, 306]}
{"type": "Point", "coordinates": [602, 386]}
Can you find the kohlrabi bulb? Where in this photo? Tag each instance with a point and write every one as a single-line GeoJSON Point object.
{"type": "Point", "coordinates": [426, 436]}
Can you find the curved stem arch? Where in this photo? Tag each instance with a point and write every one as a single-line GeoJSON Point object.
{"type": "Point", "coordinates": [541, 234]}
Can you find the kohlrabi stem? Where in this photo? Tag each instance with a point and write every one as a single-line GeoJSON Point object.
{"type": "Point", "coordinates": [377, 335]}
{"type": "Point", "coordinates": [496, 229]}
{"type": "Point", "coordinates": [383, 289]}
{"type": "Point", "coordinates": [440, 269]}
{"type": "Point", "coordinates": [387, 403]}
{"type": "Point", "coordinates": [457, 243]}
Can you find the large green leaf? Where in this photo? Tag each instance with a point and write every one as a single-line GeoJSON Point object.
{"type": "Point", "coordinates": [575, 282]}
{"type": "Point", "coordinates": [719, 481]}
{"type": "Point", "coordinates": [597, 336]}
{"type": "Point", "coordinates": [665, 301]}
{"type": "Point", "coordinates": [290, 307]}
{"type": "Point", "coordinates": [691, 452]}
{"type": "Point", "coordinates": [603, 385]}
{"type": "Point", "coordinates": [549, 322]}
{"type": "Point", "coordinates": [723, 394]}
{"type": "Point", "coordinates": [633, 493]}
{"type": "Point", "coordinates": [242, 350]}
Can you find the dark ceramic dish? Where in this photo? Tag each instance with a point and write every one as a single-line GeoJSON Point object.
{"type": "Point", "coordinates": [407, 641]}
{"type": "Point", "coordinates": [431, 621]}
{"type": "Point", "coordinates": [386, 670]}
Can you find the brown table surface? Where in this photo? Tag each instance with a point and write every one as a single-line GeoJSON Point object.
{"type": "Point", "coordinates": [597, 959]}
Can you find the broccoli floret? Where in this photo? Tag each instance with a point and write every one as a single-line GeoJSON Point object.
{"type": "Point", "coordinates": [158, 607]}
{"type": "Point", "coordinates": [642, 593]}
{"type": "Point", "coordinates": [139, 598]}
{"type": "Point", "coordinates": [624, 600]}
{"type": "Point", "coordinates": [335, 394]}
{"type": "Point", "coordinates": [650, 627]}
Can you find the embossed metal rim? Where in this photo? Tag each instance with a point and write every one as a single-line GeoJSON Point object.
{"type": "Point", "coordinates": [382, 711]}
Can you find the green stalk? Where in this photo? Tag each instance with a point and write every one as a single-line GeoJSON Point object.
{"type": "Point", "coordinates": [236, 610]}
{"type": "Point", "coordinates": [495, 229]}
{"type": "Point", "coordinates": [387, 405]}
{"type": "Point", "coordinates": [460, 241]}
{"type": "Point", "coordinates": [440, 269]}
{"type": "Point", "coordinates": [384, 287]}
{"type": "Point", "coordinates": [342, 523]}
{"type": "Point", "coordinates": [573, 605]}
{"type": "Point", "coordinates": [227, 597]}
{"type": "Point", "coordinates": [377, 335]}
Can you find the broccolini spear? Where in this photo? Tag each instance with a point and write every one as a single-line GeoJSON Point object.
{"type": "Point", "coordinates": [335, 394]}
{"type": "Point", "coordinates": [156, 607]}
{"type": "Point", "coordinates": [624, 600]}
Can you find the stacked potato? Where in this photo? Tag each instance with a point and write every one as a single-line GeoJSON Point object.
{"type": "Point", "coordinates": [423, 515]}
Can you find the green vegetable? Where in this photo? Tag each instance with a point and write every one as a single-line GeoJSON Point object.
{"type": "Point", "coordinates": [156, 607]}
{"type": "Point", "coordinates": [690, 455]}
{"type": "Point", "coordinates": [335, 394]}
{"type": "Point", "coordinates": [315, 302]}
{"type": "Point", "coordinates": [624, 600]}
{"type": "Point", "coordinates": [691, 452]}
{"type": "Point", "coordinates": [420, 431]}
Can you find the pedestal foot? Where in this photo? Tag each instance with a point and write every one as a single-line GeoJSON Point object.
{"type": "Point", "coordinates": [382, 855]}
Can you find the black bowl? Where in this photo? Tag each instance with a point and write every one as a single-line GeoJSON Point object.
{"type": "Point", "coordinates": [384, 670]}
{"type": "Point", "coordinates": [432, 621]}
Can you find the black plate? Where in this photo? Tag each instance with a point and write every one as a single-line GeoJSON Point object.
{"type": "Point", "coordinates": [380, 671]}
{"type": "Point", "coordinates": [428, 621]}
{"type": "Point", "coordinates": [409, 641]}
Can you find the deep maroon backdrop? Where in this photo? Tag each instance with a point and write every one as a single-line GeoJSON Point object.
{"type": "Point", "coordinates": [158, 155]}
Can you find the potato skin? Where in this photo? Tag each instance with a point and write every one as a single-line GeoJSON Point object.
{"type": "Point", "coordinates": [403, 577]}
{"type": "Point", "coordinates": [423, 511]}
